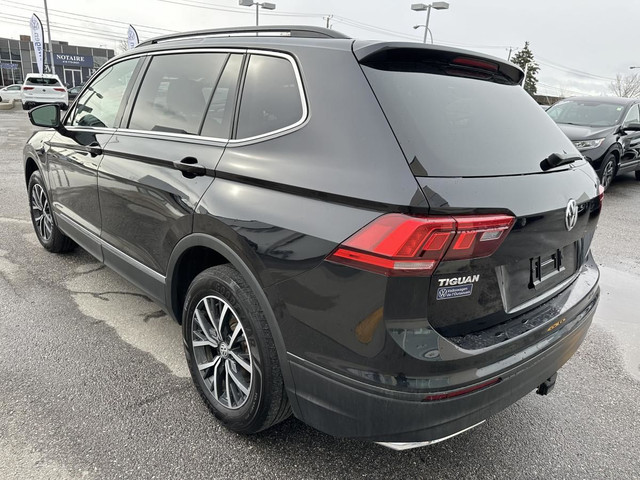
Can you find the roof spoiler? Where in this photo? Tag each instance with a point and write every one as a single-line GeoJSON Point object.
{"type": "Point", "coordinates": [370, 53]}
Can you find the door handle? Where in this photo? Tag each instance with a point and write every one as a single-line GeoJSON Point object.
{"type": "Point", "coordinates": [190, 168]}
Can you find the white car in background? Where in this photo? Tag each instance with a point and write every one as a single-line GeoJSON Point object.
{"type": "Point", "coordinates": [40, 89]}
{"type": "Point", "coordinates": [10, 93]}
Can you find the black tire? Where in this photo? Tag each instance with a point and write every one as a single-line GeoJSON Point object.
{"type": "Point", "coordinates": [608, 170]}
{"type": "Point", "coordinates": [42, 218]}
{"type": "Point", "coordinates": [262, 401]}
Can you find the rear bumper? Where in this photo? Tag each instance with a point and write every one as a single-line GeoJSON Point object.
{"type": "Point", "coordinates": [344, 407]}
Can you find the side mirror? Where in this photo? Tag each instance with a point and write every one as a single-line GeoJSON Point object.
{"type": "Point", "coordinates": [45, 116]}
{"type": "Point", "coordinates": [631, 127]}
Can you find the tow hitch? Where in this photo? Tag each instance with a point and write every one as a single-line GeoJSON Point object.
{"type": "Point", "coordinates": [546, 387]}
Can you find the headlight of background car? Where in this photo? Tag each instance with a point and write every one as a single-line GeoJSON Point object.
{"type": "Point", "coordinates": [588, 144]}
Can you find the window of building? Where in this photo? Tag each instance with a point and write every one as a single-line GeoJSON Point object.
{"type": "Point", "coordinates": [270, 97]}
{"type": "Point", "coordinates": [175, 92]}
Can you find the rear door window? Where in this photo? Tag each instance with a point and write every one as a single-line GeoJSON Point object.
{"type": "Point", "coordinates": [175, 92]}
{"type": "Point", "coordinates": [457, 126]}
{"type": "Point", "coordinates": [271, 97]}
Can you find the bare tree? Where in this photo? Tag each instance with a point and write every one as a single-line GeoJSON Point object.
{"type": "Point", "coordinates": [627, 86]}
{"type": "Point", "coordinates": [122, 47]}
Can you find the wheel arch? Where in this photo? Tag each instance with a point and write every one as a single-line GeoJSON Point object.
{"type": "Point", "coordinates": [30, 166]}
{"type": "Point", "coordinates": [219, 252]}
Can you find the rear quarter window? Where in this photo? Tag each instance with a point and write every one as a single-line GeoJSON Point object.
{"type": "Point", "coordinates": [271, 97]}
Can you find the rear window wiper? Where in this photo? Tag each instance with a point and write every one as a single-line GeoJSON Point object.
{"type": "Point", "coordinates": [557, 159]}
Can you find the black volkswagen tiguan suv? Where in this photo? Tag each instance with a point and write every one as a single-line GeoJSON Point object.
{"type": "Point", "coordinates": [389, 240]}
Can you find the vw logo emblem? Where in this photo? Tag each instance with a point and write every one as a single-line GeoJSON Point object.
{"type": "Point", "coordinates": [571, 214]}
{"type": "Point", "coordinates": [224, 350]}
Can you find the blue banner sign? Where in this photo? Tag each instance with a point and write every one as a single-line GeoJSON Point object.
{"type": "Point", "coordinates": [9, 66]}
{"type": "Point", "coordinates": [73, 60]}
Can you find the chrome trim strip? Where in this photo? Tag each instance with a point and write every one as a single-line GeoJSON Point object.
{"type": "Point", "coordinates": [186, 136]}
{"type": "Point", "coordinates": [398, 446]}
{"type": "Point", "coordinates": [135, 263]}
{"type": "Point", "coordinates": [132, 261]}
{"type": "Point", "coordinates": [230, 142]}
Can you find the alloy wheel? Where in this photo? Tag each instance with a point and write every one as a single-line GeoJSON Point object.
{"type": "Point", "coordinates": [607, 174]}
{"type": "Point", "coordinates": [221, 352]}
{"type": "Point", "coordinates": [41, 212]}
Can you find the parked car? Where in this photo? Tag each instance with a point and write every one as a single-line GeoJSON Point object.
{"type": "Point", "coordinates": [10, 93]}
{"type": "Point", "coordinates": [73, 92]}
{"type": "Point", "coordinates": [606, 130]}
{"type": "Point", "coordinates": [43, 89]}
{"type": "Point", "coordinates": [388, 240]}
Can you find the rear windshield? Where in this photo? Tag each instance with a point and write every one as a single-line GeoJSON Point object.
{"type": "Point", "coordinates": [51, 82]}
{"type": "Point", "coordinates": [457, 126]}
{"type": "Point", "coordinates": [588, 113]}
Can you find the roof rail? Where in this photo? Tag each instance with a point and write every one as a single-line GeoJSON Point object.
{"type": "Point", "coordinates": [299, 31]}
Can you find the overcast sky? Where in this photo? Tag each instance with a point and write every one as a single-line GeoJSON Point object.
{"type": "Point", "coordinates": [580, 45]}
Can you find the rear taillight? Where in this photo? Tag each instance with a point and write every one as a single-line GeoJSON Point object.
{"type": "Point", "coordinates": [399, 245]}
{"type": "Point", "coordinates": [59, 89]}
{"type": "Point", "coordinates": [601, 194]}
{"type": "Point", "coordinates": [28, 88]}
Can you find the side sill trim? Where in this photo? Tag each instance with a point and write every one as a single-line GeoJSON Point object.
{"type": "Point", "coordinates": [145, 278]}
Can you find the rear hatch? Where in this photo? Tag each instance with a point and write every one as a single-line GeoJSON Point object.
{"type": "Point", "coordinates": [43, 89]}
{"type": "Point", "coordinates": [477, 144]}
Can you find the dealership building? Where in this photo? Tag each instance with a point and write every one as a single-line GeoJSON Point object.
{"type": "Point", "coordinates": [73, 64]}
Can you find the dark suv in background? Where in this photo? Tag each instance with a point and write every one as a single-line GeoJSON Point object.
{"type": "Point", "coordinates": [606, 130]}
{"type": "Point", "coordinates": [390, 240]}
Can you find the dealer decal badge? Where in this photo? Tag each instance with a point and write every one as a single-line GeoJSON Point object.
{"type": "Point", "coordinates": [456, 287]}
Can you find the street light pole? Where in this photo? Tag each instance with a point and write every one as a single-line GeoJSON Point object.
{"type": "Point", "coordinates": [258, 5]}
{"type": "Point", "coordinates": [426, 26]}
{"type": "Point", "coordinates": [46, 15]}
{"type": "Point", "coordinates": [420, 7]}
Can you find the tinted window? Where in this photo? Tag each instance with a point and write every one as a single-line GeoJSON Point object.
{"type": "Point", "coordinates": [175, 92]}
{"type": "Point", "coordinates": [456, 126]}
{"type": "Point", "coordinates": [14, 87]}
{"type": "Point", "coordinates": [220, 111]}
{"type": "Point", "coordinates": [270, 97]}
{"type": "Point", "coordinates": [592, 113]}
{"type": "Point", "coordinates": [50, 82]}
{"type": "Point", "coordinates": [99, 104]}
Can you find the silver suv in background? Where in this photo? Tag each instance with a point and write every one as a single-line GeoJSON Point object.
{"type": "Point", "coordinates": [41, 89]}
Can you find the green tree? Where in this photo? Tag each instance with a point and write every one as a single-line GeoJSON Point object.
{"type": "Point", "coordinates": [524, 59]}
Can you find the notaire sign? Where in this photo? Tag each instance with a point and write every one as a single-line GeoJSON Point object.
{"type": "Point", "coordinates": [71, 59]}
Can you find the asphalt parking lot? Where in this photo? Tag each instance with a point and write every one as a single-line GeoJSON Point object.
{"type": "Point", "coordinates": [94, 383]}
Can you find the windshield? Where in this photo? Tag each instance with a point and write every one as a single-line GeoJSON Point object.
{"type": "Point", "coordinates": [52, 82]}
{"type": "Point", "coordinates": [587, 113]}
{"type": "Point", "coordinates": [455, 126]}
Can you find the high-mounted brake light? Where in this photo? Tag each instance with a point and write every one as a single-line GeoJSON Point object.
{"type": "Point", "coordinates": [475, 63]}
{"type": "Point", "coordinates": [400, 245]}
